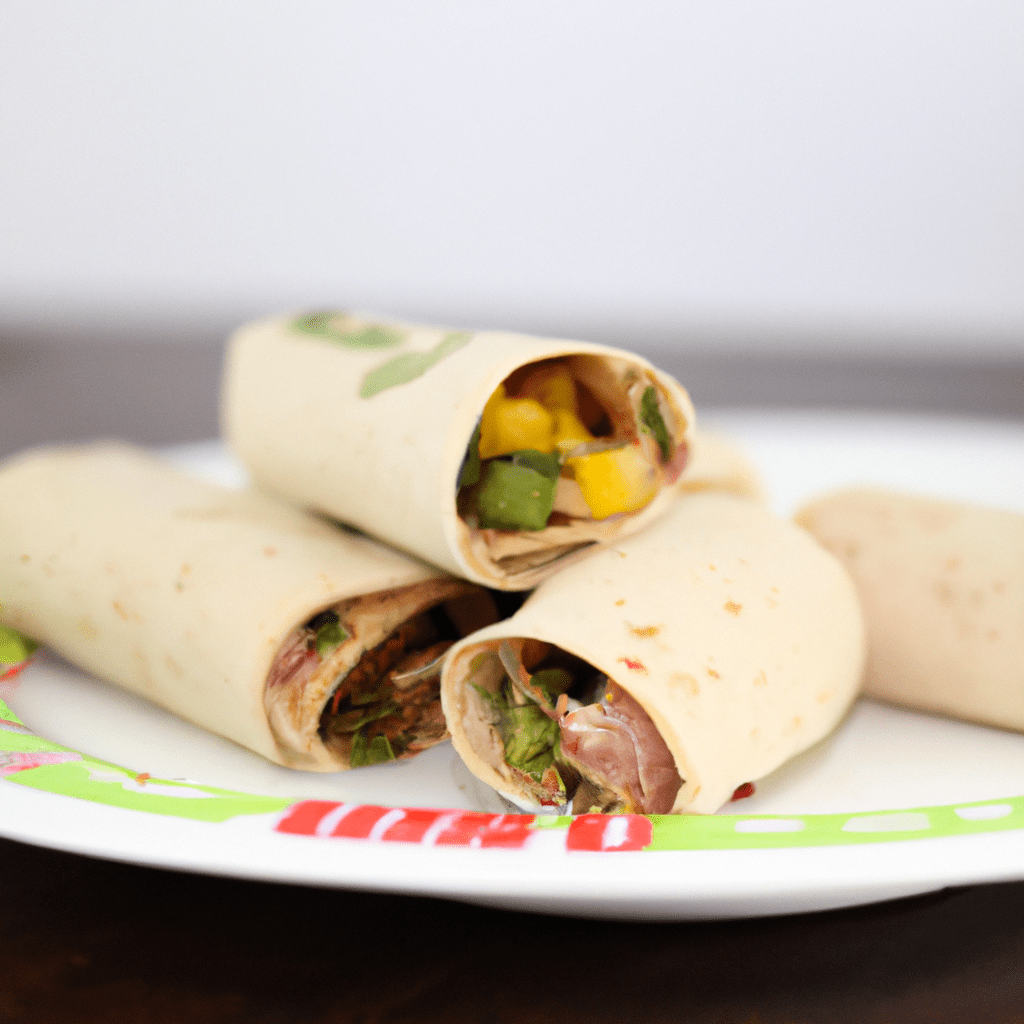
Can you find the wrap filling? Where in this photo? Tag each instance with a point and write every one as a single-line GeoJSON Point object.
{"type": "Point", "coordinates": [363, 676]}
{"type": "Point", "coordinates": [566, 735]}
{"type": "Point", "coordinates": [564, 446]}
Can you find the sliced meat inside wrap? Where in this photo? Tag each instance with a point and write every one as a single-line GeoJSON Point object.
{"type": "Point", "coordinates": [362, 677]}
{"type": "Point", "coordinates": [564, 735]}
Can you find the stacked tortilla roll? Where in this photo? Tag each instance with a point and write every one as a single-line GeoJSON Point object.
{"type": "Point", "coordinates": [942, 584]}
{"type": "Point", "coordinates": [499, 457]}
{"type": "Point", "coordinates": [663, 672]}
{"type": "Point", "coordinates": [315, 647]}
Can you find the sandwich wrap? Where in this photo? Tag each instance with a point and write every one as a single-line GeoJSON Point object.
{"type": "Point", "coordinates": [315, 647]}
{"type": "Point", "coordinates": [663, 672]}
{"type": "Point", "coordinates": [942, 585]}
{"type": "Point", "coordinates": [499, 457]}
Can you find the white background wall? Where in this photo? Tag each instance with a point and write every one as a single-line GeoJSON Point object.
{"type": "Point", "coordinates": [792, 173]}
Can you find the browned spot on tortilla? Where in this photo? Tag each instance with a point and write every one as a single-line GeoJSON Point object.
{"type": "Point", "coordinates": [761, 679]}
{"type": "Point", "coordinates": [732, 607]}
{"type": "Point", "coordinates": [621, 601]}
{"type": "Point", "coordinates": [645, 632]}
{"type": "Point", "coordinates": [26, 558]}
{"type": "Point", "coordinates": [713, 674]}
{"type": "Point", "coordinates": [185, 568]}
{"type": "Point", "coordinates": [270, 552]}
{"type": "Point", "coordinates": [685, 681]}
{"type": "Point", "coordinates": [121, 610]}
{"type": "Point", "coordinates": [824, 697]}
{"type": "Point", "coordinates": [953, 563]}
{"type": "Point", "coordinates": [993, 634]}
{"type": "Point", "coordinates": [634, 665]}
{"type": "Point", "coordinates": [712, 568]}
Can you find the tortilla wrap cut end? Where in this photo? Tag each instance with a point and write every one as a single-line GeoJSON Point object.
{"type": "Point", "coordinates": [736, 633]}
{"type": "Point", "coordinates": [373, 422]}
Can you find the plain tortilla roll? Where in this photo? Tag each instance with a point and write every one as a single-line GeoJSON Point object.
{"type": "Point", "coordinates": [197, 597]}
{"type": "Point", "coordinates": [942, 584]}
{"type": "Point", "coordinates": [739, 637]}
{"type": "Point", "coordinates": [370, 422]}
{"type": "Point", "coordinates": [718, 463]}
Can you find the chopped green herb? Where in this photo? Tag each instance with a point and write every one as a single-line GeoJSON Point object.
{"type": "Point", "coordinates": [530, 738]}
{"type": "Point", "coordinates": [514, 497]}
{"type": "Point", "coordinates": [15, 648]}
{"type": "Point", "coordinates": [334, 326]}
{"type": "Point", "coordinates": [651, 418]}
{"type": "Point", "coordinates": [352, 721]}
{"type": "Point", "coordinates": [469, 474]}
{"type": "Point", "coordinates": [328, 636]}
{"type": "Point", "coordinates": [552, 681]}
{"type": "Point", "coordinates": [374, 751]}
{"type": "Point", "coordinates": [410, 365]}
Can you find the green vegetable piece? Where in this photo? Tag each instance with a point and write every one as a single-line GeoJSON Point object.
{"type": "Point", "coordinates": [366, 752]}
{"type": "Point", "coordinates": [469, 474]}
{"type": "Point", "coordinates": [530, 735]}
{"type": "Point", "coordinates": [548, 464]}
{"type": "Point", "coordinates": [329, 636]}
{"type": "Point", "coordinates": [15, 648]}
{"type": "Point", "coordinates": [410, 365]}
{"type": "Point", "coordinates": [552, 681]}
{"type": "Point", "coordinates": [650, 417]}
{"type": "Point", "coordinates": [514, 497]}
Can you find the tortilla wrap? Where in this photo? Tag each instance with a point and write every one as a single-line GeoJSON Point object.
{"type": "Point", "coordinates": [942, 584]}
{"type": "Point", "coordinates": [718, 463]}
{"type": "Point", "coordinates": [374, 423]}
{"type": "Point", "coordinates": [201, 599]}
{"type": "Point", "coordinates": [738, 637]}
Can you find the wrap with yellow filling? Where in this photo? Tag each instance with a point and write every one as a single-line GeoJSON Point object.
{"type": "Point", "coordinates": [499, 457]}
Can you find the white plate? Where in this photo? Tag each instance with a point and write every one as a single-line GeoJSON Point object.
{"type": "Point", "coordinates": [894, 804]}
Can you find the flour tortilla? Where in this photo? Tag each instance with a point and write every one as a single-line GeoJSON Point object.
{"type": "Point", "coordinates": [738, 634]}
{"type": "Point", "coordinates": [369, 422]}
{"type": "Point", "coordinates": [718, 463]}
{"type": "Point", "coordinates": [942, 584]}
{"type": "Point", "coordinates": [184, 592]}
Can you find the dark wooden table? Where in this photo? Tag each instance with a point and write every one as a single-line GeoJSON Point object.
{"type": "Point", "coordinates": [83, 940]}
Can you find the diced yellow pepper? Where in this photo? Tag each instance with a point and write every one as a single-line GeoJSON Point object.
{"type": "Point", "coordinates": [618, 480]}
{"type": "Point", "coordinates": [569, 430]}
{"type": "Point", "coordinates": [512, 424]}
{"type": "Point", "coordinates": [552, 386]}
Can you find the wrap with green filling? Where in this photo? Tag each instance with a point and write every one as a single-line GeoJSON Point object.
{"type": "Point", "coordinates": [942, 584]}
{"type": "Point", "coordinates": [499, 457]}
{"type": "Point", "coordinates": [663, 672]}
{"type": "Point", "coordinates": [313, 646]}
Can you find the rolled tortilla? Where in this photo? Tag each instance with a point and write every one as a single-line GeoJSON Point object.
{"type": "Point", "coordinates": [727, 639]}
{"type": "Point", "coordinates": [240, 614]}
{"type": "Point", "coordinates": [374, 423]}
{"type": "Point", "coordinates": [717, 463]}
{"type": "Point", "coordinates": [942, 584]}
